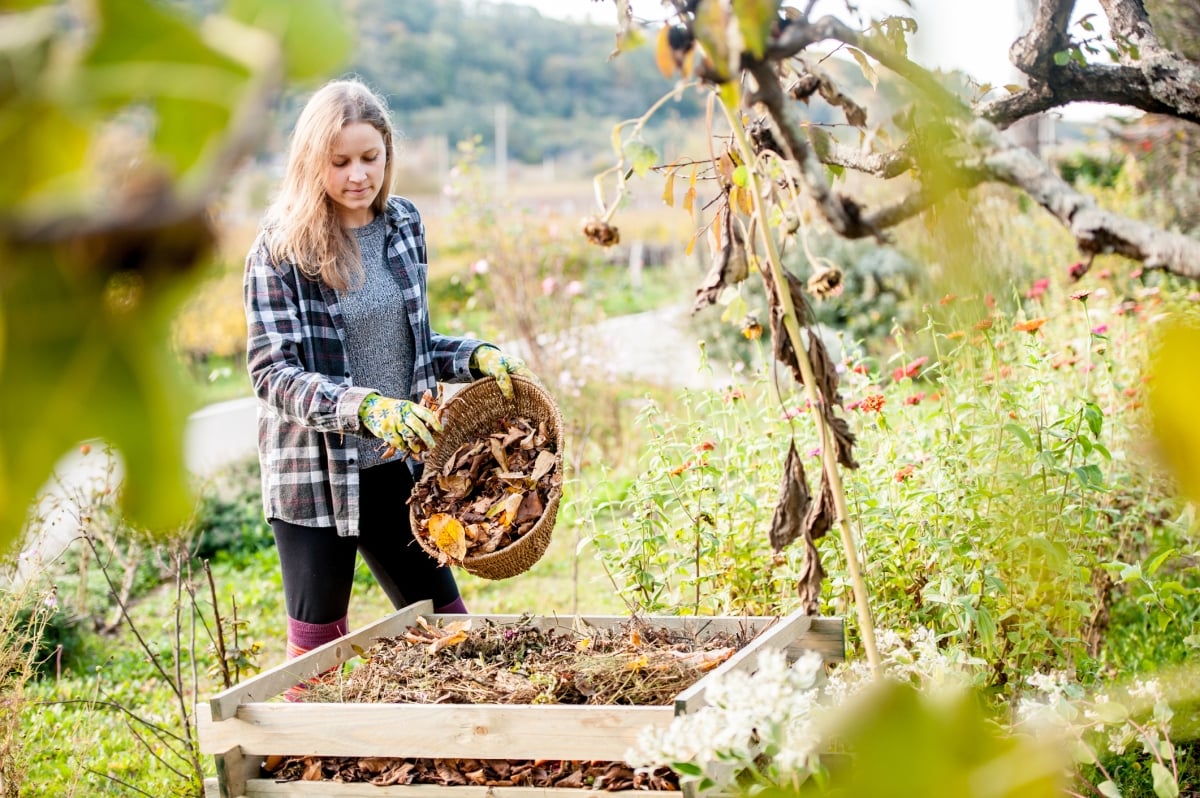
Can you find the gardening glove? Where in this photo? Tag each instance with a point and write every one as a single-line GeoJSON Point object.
{"type": "Point", "coordinates": [405, 426]}
{"type": "Point", "coordinates": [491, 362]}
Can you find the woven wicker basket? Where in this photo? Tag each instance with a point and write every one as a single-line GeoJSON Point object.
{"type": "Point", "coordinates": [474, 410]}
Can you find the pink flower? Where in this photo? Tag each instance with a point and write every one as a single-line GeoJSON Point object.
{"type": "Point", "coordinates": [1100, 329]}
{"type": "Point", "coordinates": [480, 266]}
{"type": "Point", "coordinates": [1038, 288]}
{"type": "Point", "coordinates": [915, 399]}
{"type": "Point", "coordinates": [548, 286]}
{"type": "Point", "coordinates": [911, 370]}
{"type": "Point", "coordinates": [574, 288]}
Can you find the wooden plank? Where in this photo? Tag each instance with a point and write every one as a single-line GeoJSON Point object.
{"type": "Point", "coordinates": [263, 788]}
{"type": "Point", "coordinates": [826, 636]}
{"type": "Point", "coordinates": [483, 731]}
{"type": "Point", "coordinates": [271, 683]}
{"type": "Point", "coordinates": [233, 770]}
{"type": "Point", "coordinates": [779, 635]}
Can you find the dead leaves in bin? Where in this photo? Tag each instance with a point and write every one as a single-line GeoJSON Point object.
{"type": "Point", "coordinates": [544, 773]}
{"type": "Point", "coordinates": [490, 492]}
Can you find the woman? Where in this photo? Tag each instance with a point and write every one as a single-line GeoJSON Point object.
{"type": "Point", "coordinates": [339, 347]}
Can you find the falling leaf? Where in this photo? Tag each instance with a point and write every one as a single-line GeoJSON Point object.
{"type": "Point", "coordinates": [448, 534]}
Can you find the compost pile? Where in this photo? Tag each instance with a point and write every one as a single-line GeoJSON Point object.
{"type": "Point", "coordinates": [478, 661]}
{"type": "Point", "coordinates": [490, 492]}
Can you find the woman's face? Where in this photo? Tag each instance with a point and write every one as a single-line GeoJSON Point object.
{"type": "Point", "coordinates": [354, 175]}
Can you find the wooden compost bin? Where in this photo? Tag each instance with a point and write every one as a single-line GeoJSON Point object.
{"type": "Point", "coordinates": [241, 726]}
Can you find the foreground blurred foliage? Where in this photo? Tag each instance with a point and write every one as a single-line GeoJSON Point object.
{"type": "Point", "coordinates": [121, 119]}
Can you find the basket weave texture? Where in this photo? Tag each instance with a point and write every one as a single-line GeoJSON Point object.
{"type": "Point", "coordinates": [474, 412]}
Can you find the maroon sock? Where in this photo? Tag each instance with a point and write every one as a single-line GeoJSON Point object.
{"type": "Point", "coordinates": [455, 607]}
{"type": "Point", "coordinates": [304, 637]}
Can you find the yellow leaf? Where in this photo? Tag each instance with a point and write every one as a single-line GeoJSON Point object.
{"type": "Point", "coordinates": [662, 53]}
{"type": "Point", "coordinates": [691, 242]}
{"type": "Point", "coordinates": [865, 65]}
{"type": "Point", "coordinates": [638, 663]}
{"type": "Point", "coordinates": [689, 200]}
{"type": "Point", "coordinates": [668, 195]}
{"type": "Point", "coordinates": [448, 535]}
{"type": "Point", "coordinates": [1171, 396]}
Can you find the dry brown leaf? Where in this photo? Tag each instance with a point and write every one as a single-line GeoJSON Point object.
{"type": "Point", "coordinates": [543, 465]}
{"type": "Point", "coordinates": [498, 452]}
{"type": "Point", "coordinates": [313, 771]}
{"type": "Point", "coordinates": [794, 501]}
{"type": "Point", "coordinates": [512, 503]}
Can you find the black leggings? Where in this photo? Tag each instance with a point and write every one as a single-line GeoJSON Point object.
{"type": "Point", "coordinates": [318, 564]}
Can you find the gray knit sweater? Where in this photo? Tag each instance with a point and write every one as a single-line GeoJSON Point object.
{"type": "Point", "coordinates": [379, 339]}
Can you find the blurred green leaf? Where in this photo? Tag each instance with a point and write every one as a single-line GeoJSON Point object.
{"type": "Point", "coordinates": [755, 20]}
{"type": "Point", "coordinates": [641, 156]}
{"type": "Point", "coordinates": [89, 351]}
{"type": "Point", "coordinates": [909, 744]}
{"type": "Point", "coordinates": [711, 28]}
{"type": "Point", "coordinates": [144, 53]}
{"type": "Point", "coordinates": [42, 145]}
{"type": "Point", "coordinates": [315, 40]}
{"type": "Point", "coordinates": [1165, 785]}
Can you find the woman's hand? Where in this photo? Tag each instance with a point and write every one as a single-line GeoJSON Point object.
{"type": "Point", "coordinates": [491, 362]}
{"type": "Point", "coordinates": [405, 426]}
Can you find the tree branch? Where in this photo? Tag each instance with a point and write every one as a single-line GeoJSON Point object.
{"type": "Point", "coordinates": [1127, 86]}
{"type": "Point", "coordinates": [1156, 80]}
{"type": "Point", "coordinates": [1034, 52]}
{"type": "Point", "coordinates": [1095, 230]}
{"type": "Point", "coordinates": [841, 216]}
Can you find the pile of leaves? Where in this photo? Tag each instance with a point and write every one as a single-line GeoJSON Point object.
{"type": "Point", "coordinates": [477, 661]}
{"type": "Point", "coordinates": [492, 490]}
{"type": "Point", "coordinates": [386, 771]}
{"type": "Point", "coordinates": [480, 661]}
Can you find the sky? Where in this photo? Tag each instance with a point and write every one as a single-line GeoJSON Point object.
{"type": "Point", "coordinates": [970, 35]}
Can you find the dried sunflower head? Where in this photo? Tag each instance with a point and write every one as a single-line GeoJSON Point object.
{"type": "Point", "coordinates": [825, 283]}
{"type": "Point", "coordinates": [601, 233]}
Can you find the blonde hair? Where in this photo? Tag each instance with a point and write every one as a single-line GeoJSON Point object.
{"type": "Point", "coordinates": [302, 225]}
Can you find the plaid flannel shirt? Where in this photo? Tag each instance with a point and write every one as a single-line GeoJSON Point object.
{"type": "Point", "coordinates": [308, 402]}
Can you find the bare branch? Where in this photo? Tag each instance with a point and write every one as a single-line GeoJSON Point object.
{"type": "Point", "coordinates": [1095, 230]}
{"type": "Point", "coordinates": [1034, 52]}
{"type": "Point", "coordinates": [1127, 20]}
{"type": "Point", "coordinates": [799, 35]}
{"type": "Point", "coordinates": [1120, 85]}
{"type": "Point", "coordinates": [881, 164]}
{"type": "Point", "coordinates": [1150, 77]}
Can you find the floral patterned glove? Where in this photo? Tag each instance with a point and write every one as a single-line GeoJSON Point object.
{"type": "Point", "coordinates": [405, 426]}
{"type": "Point", "coordinates": [491, 362]}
